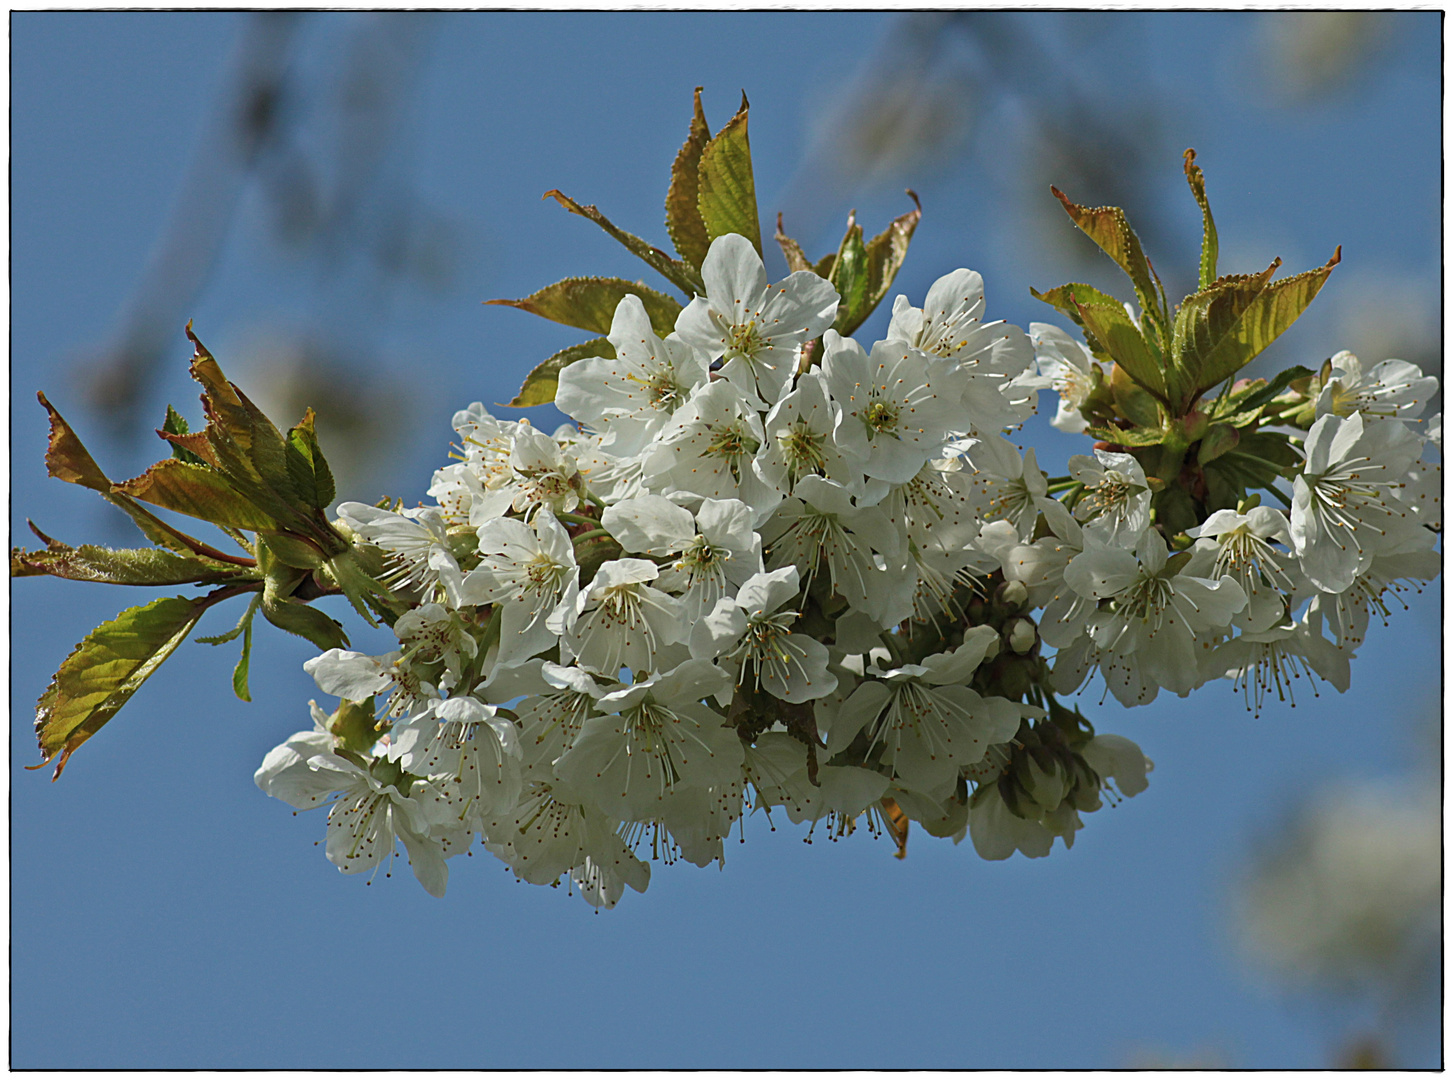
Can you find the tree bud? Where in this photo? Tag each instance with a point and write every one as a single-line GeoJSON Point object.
{"type": "Point", "coordinates": [1021, 634]}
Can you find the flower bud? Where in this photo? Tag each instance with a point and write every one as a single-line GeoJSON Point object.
{"type": "Point", "coordinates": [1011, 594]}
{"type": "Point", "coordinates": [1020, 633]}
{"type": "Point", "coordinates": [354, 725]}
{"type": "Point", "coordinates": [1043, 777]}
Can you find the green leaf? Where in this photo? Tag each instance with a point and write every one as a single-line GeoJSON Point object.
{"type": "Point", "coordinates": [253, 456]}
{"type": "Point", "coordinates": [1136, 436]}
{"type": "Point", "coordinates": [1241, 407]}
{"type": "Point", "coordinates": [244, 628]}
{"type": "Point", "coordinates": [850, 278]}
{"type": "Point", "coordinates": [1133, 402]}
{"type": "Point", "coordinates": [106, 669]}
{"type": "Point", "coordinates": [66, 458]}
{"type": "Point", "coordinates": [683, 215]}
{"type": "Point", "coordinates": [198, 492]}
{"type": "Point", "coordinates": [886, 253]}
{"type": "Point", "coordinates": [590, 303]}
{"type": "Point", "coordinates": [1106, 225]}
{"type": "Point", "coordinates": [239, 673]}
{"type": "Point", "coordinates": [307, 466]}
{"type": "Point", "coordinates": [1220, 440]}
{"type": "Point", "coordinates": [792, 251]}
{"type": "Point", "coordinates": [1210, 247]}
{"type": "Point", "coordinates": [727, 193]}
{"type": "Point", "coordinates": [684, 276]}
{"type": "Point", "coordinates": [1069, 298]}
{"type": "Point", "coordinates": [1258, 461]}
{"type": "Point", "coordinates": [126, 566]}
{"type": "Point", "coordinates": [1205, 318]}
{"type": "Point", "coordinates": [1219, 355]}
{"type": "Point", "coordinates": [176, 425]}
{"type": "Point", "coordinates": [540, 385]}
{"type": "Point", "coordinates": [1122, 341]}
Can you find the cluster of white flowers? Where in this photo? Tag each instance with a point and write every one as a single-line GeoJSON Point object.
{"type": "Point", "coordinates": [774, 569]}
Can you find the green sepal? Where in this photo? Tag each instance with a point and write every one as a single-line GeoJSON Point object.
{"type": "Point", "coordinates": [684, 276]}
{"type": "Point", "coordinates": [726, 191]}
{"type": "Point", "coordinates": [298, 618]}
{"type": "Point", "coordinates": [362, 589]}
{"type": "Point", "coordinates": [540, 384]}
{"type": "Point", "coordinates": [106, 669]}
{"type": "Point", "coordinates": [590, 303]}
{"type": "Point", "coordinates": [355, 725]}
{"type": "Point", "coordinates": [683, 214]}
{"type": "Point", "coordinates": [1210, 246]}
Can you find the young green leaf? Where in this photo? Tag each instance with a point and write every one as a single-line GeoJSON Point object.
{"type": "Point", "coordinates": [590, 303]}
{"type": "Point", "coordinates": [66, 458]}
{"type": "Point", "coordinates": [886, 252]}
{"type": "Point", "coordinates": [243, 628]}
{"type": "Point", "coordinates": [198, 492]}
{"type": "Point", "coordinates": [540, 384]}
{"type": "Point", "coordinates": [185, 445]}
{"type": "Point", "coordinates": [1122, 341]}
{"type": "Point", "coordinates": [307, 466]}
{"type": "Point", "coordinates": [1106, 225]}
{"type": "Point", "coordinates": [684, 276]}
{"type": "Point", "coordinates": [850, 278]}
{"type": "Point", "coordinates": [1136, 436]}
{"type": "Point", "coordinates": [683, 215]}
{"type": "Point", "coordinates": [1134, 403]}
{"type": "Point", "coordinates": [1209, 246]}
{"type": "Point", "coordinates": [252, 457]}
{"type": "Point", "coordinates": [239, 673]}
{"type": "Point", "coordinates": [727, 193]}
{"type": "Point", "coordinates": [106, 669]}
{"type": "Point", "coordinates": [1069, 298]}
{"type": "Point", "coordinates": [1258, 324]}
{"type": "Point", "coordinates": [126, 566]}
{"type": "Point", "coordinates": [791, 250]}
{"type": "Point", "coordinates": [1238, 407]}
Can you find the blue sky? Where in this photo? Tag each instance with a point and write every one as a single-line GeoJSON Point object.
{"type": "Point", "coordinates": [165, 913]}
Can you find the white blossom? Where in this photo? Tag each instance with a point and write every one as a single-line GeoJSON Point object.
{"type": "Point", "coordinates": [630, 398]}
{"type": "Point", "coordinates": [1070, 368]}
{"type": "Point", "coordinates": [754, 328]}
